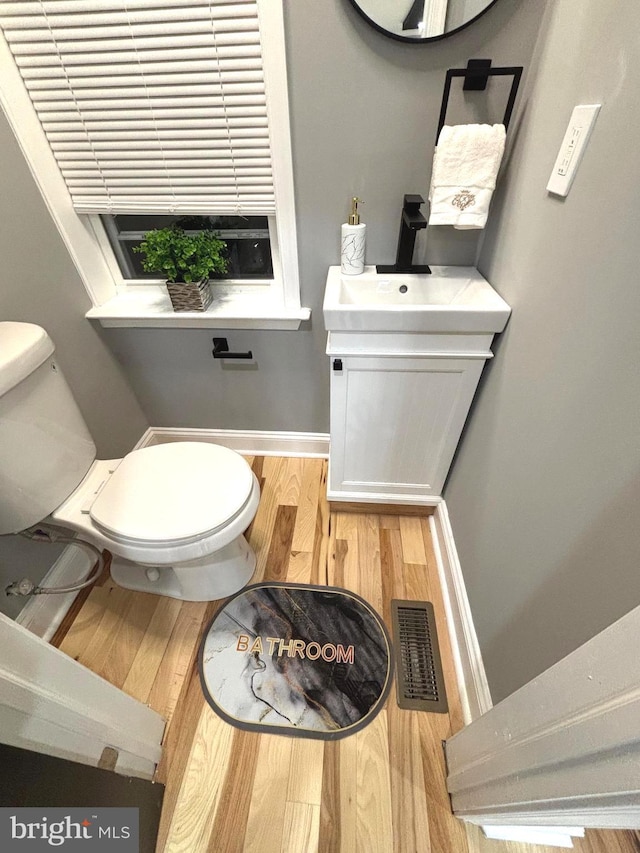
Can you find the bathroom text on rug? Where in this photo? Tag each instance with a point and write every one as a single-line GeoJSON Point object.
{"type": "Point", "coordinates": [311, 651]}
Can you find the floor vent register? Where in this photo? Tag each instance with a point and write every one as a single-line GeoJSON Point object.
{"type": "Point", "coordinates": [419, 679]}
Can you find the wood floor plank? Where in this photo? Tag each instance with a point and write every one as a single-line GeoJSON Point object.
{"type": "Point", "coordinates": [178, 658]}
{"type": "Point", "coordinates": [99, 648]}
{"type": "Point", "coordinates": [134, 625]}
{"type": "Point", "coordinates": [606, 841]}
{"type": "Point", "coordinates": [229, 827]}
{"type": "Point", "coordinates": [373, 792]}
{"type": "Point", "coordinates": [351, 565]}
{"type": "Point", "coordinates": [331, 553]}
{"type": "Point", "coordinates": [86, 623]}
{"type": "Point", "coordinates": [416, 582]}
{"type": "Point", "coordinates": [176, 749]}
{"type": "Point", "coordinates": [335, 563]}
{"type": "Point", "coordinates": [304, 534]}
{"type": "Point", "coordinates": [197, 803]}
{"type": "Point", "coordinates": [330, 815]}
{"type": "Point", "coordinates": [412, 540]}
{"type": "Point", "coordinates": [349, 780]}
{"type": "Point", "coordinates": [179, 737]}
{"type": "Point", "coordinates": [265, 824]}
{"type": "Point", "coordinates": [317, 567]}
{"type": "Point", "coordinates": [149, 656]}
{"type": "Point", "coordinates": [369, 577]}
{"type": "Point", "coordinates": [263, 524]}
{"type": "Point", "coordinates": [291, 481]}
{"type": "Point", "coordinates": [446, 831]}
{"type": "Point", "coordinates": [277, 562]}
{"type": "Point", "coordinates": [301, 828]}
{"type": "Point", "coordinates": [391, 570]}
{"type": "Point", "coordinates": [432, 730]}
{"type": "Point", "coordinates": [346, 524]}
{"type": "Point", "coordinates": [408, 796]}
{"type": "Point", "coordinates": [305, 773]}
{"type": "Point", "coordinates": [272, 471]}
{"type": "Point", "coordinates": [393, 564]}
{"type": "Point", "coordinates": [300, 567]}
{"type": "Point", "coordinates": [186, 714]}
{"type": "Point", "coordinates": [323, 526]}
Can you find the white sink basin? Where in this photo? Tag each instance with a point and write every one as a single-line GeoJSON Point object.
{"type": "Point", "coordinates": [451, 299]}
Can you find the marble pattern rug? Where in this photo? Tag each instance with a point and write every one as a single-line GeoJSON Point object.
{"type": "Point", "coordinates": [313, 661]}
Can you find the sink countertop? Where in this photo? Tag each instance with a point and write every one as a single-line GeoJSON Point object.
{"type": "Point", "coordinates": [450, 300]}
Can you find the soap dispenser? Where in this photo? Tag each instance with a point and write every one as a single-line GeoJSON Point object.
{"type": "Point", "coordinates": [353, 242]}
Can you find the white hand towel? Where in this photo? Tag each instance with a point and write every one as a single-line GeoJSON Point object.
{"type": "Point", "coordinates": [465, 166]}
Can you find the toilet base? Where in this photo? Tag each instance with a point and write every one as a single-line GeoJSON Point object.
{"type": "Point", "coordinates": [209, 578]}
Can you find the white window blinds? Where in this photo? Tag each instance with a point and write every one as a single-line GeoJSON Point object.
{"type": "Point", "coordinates": [152, 106]}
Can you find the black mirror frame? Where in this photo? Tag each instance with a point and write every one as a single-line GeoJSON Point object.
{"type": "Point", "coordinates": [408, 39]}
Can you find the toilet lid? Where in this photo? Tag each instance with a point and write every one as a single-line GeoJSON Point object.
{"type": "Point", "coordinates": [173, 492]}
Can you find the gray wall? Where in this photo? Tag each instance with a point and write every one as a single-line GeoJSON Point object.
{"type": "Point", "coordinates": [459, 12]}
{"type": "Point", "coordinates": [39, 284]}
{"type": "Point", "coordinates": [364, 113]}
{"type": "Point", "coordinates": [544, 493]}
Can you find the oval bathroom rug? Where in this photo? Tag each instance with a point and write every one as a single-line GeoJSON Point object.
{"type": "Point", "coordinates": [313, 661]}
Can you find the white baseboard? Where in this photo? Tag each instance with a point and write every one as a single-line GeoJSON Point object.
{"type": "Point", "coordinates": [382, 498]}
{"type": "Point", "coordinates": [556, 837]}
{"type": "Point", "coordinates": [249, 442]}
{"type": "Point", "coordinates": [42, 614]}
{"type": "Point", "coordinates": [472, 680]}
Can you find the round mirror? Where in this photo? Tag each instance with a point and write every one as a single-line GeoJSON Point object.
{"type": "Point", "coordinates": [421, 20]}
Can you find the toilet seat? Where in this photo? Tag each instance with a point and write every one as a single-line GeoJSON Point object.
{"type": "Point", "coordinates": [172, 494]}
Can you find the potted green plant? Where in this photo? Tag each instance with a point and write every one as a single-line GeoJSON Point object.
{"type": "Point", "coordinates": [187, 260]}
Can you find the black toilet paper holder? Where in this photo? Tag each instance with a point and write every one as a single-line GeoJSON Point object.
{"type": "Point", "coordinates": [221, 350]}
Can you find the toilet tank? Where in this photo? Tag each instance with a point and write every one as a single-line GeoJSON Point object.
{"type": "Point", "coordinates": [45, 446]}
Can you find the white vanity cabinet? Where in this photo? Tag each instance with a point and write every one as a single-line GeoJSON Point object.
{"type": "Point", "coordinates": [398, 406]}
{"type": "Point", "coordinates": [406, 353]}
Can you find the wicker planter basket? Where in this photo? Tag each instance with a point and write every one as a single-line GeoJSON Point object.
{"type": "Point", "coordinates": [190, 296]}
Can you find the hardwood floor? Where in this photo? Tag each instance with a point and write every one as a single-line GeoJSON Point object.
{"type": "Point", "coordinates": [231, 791]}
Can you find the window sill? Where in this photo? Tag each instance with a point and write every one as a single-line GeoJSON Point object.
{"type": "Point", "coordinates": [149, 307]}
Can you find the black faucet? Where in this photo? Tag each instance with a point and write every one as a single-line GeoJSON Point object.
{"type": "Point", "coordinates": [411, 222]}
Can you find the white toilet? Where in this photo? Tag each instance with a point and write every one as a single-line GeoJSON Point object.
{"type": "Point", "coordinates": [172, 515]}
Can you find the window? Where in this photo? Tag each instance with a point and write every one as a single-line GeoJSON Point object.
{"type": "Point", "coordinates": [139, 112]}
{"type": "Point", "coordinates": [248, 242]}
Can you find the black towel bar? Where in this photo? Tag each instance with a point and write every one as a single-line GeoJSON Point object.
{"type": "Point", "coordinates": [476, 76]}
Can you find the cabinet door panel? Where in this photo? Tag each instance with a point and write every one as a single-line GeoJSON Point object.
{"type": "Point", "coordinates": [395, 422]}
